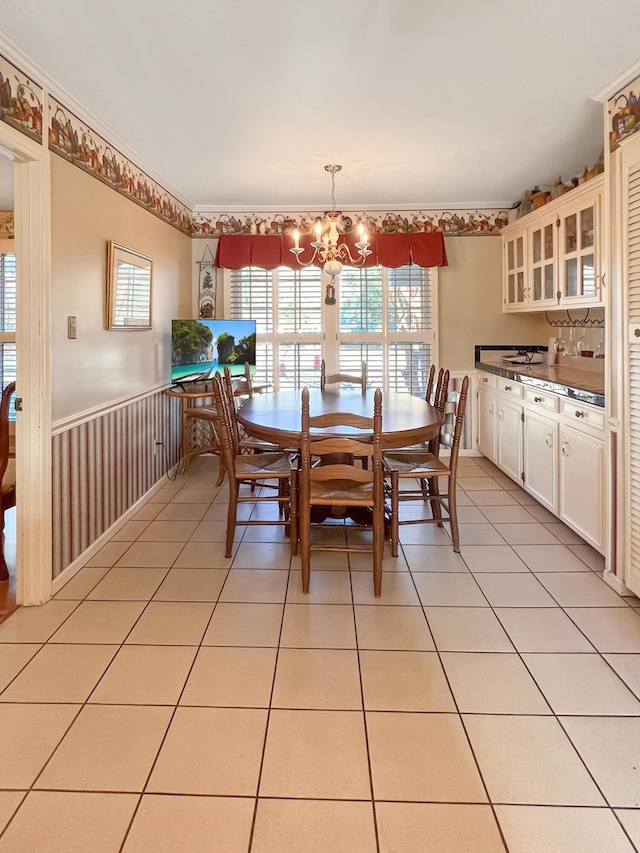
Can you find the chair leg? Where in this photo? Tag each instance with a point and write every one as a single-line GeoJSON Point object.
{"type": "Point", "coordinates": [453, 517]}
{"type": "Point", "coordinates": [395, 486]}
{"type": "Point", "coordinates": [304, 530]}
{"type": "Point", "coordinates": [221, 473]}
{"type": "Point", "coordinates": [231, 519]}
{"type": "Point", "coordinates": [293, 514]}
{"type": "Point", "coordinates": [4, 571]}
{"type": "Point", "coordinates": [378, 551]}
{"type": "Point", "coordinates": [434, 491]}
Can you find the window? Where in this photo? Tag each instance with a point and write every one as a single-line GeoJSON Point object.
{"type": "Point", "coordinates": [385, 317]}
{"type": "Point", "coordinates": [8, 322]}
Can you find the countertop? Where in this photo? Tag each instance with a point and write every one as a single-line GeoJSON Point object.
{"type": "Point", "coordinates": [587, 386]}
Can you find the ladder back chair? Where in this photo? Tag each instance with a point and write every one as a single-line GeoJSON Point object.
{"type": "Point", "coordinates": [335, 378]}
{"type": "Point", "coordinates": [428, 468]}
{"type": "Point", "coordinates": [246, 443]}
{"type": "Point", "coordinates": [269, 471]}
{"type": "Point", "coordinates": [7, 470]}
{"type": "Point", "coordinates": [330, 475]}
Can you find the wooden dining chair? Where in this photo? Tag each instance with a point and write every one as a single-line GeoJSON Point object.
{"type": "Point", "coordinates": [246, 443]}
{"type": "Point", "coordinates": [429, 469]}
{"type": "Point", "coordinates": [271, 472]}
{"type": "Point", "coordinates": [331, 475]}
{"type": "Point", "coordinates": [339, 378]}
{"type": "Point", "coordinates": [7, 470]}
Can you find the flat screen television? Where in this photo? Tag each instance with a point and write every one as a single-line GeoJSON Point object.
{"type": "Point", "coordinates": [199, 348]}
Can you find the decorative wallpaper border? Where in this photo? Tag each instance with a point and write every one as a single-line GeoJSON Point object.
{"type": "Point", "coordinates": [450, 222]}
{"type": "Point", "coordinates": [74, 140]}
{"type": "Point", "coordinates": [7, 225]}
{"type": "Point", "coordinates": [20, 100]}
{"type": "Point", "coordinates": [624, 114]}
{"type": "Point", "coordinates": [21, 105]}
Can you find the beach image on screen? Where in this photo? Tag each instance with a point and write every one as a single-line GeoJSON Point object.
{"type": "Point", "coordinates": [201, 347]}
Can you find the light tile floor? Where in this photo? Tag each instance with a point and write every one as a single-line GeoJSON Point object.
{"type": "Point", "coordinates": [169, 699]}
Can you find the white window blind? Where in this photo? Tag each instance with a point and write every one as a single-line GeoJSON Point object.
{"type": "Point", "coordinates": [8, 322]}
{"type": "Point", "coordinates": [633, 273]}
{"type": "Point", "coordinates": [383, 316]}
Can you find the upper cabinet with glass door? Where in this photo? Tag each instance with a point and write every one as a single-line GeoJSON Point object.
{"type": "Point", "coordinates": [561, 253]}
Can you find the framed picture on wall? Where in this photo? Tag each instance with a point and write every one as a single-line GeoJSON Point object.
{"type": "Point", "coordinates": [129, 289]}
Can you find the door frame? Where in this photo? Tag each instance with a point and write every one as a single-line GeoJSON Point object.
{"type": "Point", "coordinates": [32, 217]}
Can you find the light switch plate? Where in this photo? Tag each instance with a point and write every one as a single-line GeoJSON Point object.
{"type": "Point", "coordinates": [72, 328]}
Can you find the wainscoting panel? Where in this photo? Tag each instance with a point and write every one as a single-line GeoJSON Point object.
{"type": "Point", "coordinates": [103, 465]}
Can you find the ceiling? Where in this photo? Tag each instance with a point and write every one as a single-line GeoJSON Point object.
{"type": "Point", "coordinates": [238, 105]}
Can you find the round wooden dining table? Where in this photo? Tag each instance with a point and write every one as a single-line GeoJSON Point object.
{"type": "Point", "coordinates": [276, 417]}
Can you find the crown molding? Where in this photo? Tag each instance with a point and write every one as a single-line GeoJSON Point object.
{"type": "Point", "coordinates": [619, 82]}
{"type": "Point", "coordinates": [413, 207]}
{"type": "Point", "coordinates": [14, 54]}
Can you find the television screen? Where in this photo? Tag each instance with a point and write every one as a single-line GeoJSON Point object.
{"type": "Point", "coordinates": [201, 347]}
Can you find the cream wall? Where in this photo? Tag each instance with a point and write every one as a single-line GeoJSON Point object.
{"type": "Point", "coordinates": [101, 367]}
{"type": "Point", "coordinates": [470, 304]}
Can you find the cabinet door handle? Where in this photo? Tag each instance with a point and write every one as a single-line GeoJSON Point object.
{"type": "Point", "coordinates": [549, 441]}
{"type": "Point", "coordinates": [491, 409]}
{"type": "Point", "coordinates": [564, 448]}
{"type": "Point", "coordinates": [579, 414]}
{"type": "Point", "coordinates": [500, 414]}
{"type": "Point", "coordinates": [507, 387]}
{"type": "Point", "coordinates": [636, 332]}
{"type": "Point", "coordinates": [484, 379]}
{"type": "Point", "coordinates": [537, 399]}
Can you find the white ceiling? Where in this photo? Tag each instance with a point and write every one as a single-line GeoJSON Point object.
{"type": "Point", "coordinates": [237, 105]}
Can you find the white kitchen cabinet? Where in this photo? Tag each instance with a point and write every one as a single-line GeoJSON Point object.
{"type": "Point", "coordinates": [582, 484]}
{"type": "Point", "coordinates": [552, 256]}
{"type": "Point", "coordinates": [509, 436]}
{"type": "Point", "coordinates": [487, 411]}
{"type": "Point", "coordinates": [540, 458]}
{"type": "Point", "coordinates": [558, 445]}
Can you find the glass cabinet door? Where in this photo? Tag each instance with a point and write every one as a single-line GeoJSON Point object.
{"type": "Point", "coordinates": [543, 264]}
{"type": "Point", "coordinates": [515, 294]}
{"type": "Point", "coordinates": [578, 271]}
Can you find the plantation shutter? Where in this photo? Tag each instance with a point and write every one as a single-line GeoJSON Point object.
{"type": "Point", "coordinates": [632, 202]}
{"type": "Point", "coordinates": [386, 320]}
{"type": "Point", "coordinates": [251, 298]}
{"type": "Point", "coordinates": [8, 322]}
{"type": "Point", "coordinates": [385, 317]}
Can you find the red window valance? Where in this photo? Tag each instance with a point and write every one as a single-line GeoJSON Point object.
{"type": "Point", "coordinates": [388, 250]}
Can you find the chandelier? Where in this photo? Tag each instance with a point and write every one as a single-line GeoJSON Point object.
{"type": "Point", "coordinates": [326, 248]}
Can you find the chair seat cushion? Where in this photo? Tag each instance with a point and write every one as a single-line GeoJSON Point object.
{"type": "Point", "coordinates": [415, 464]}
{"type": "Point", "coordinates": [263, 464]}
{"type": "Point", "coordinates": [341, 492]}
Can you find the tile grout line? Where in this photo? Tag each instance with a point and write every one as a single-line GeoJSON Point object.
{"type": "Point", "coordinates": [364, 711]}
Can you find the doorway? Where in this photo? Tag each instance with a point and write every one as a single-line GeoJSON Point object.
{"type": "Point", "coordinates": [32, 217]}
{"type": "Point", "coordinates": [7, 366]}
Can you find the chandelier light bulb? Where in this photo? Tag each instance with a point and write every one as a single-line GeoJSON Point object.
{"type": "Point", "coordinates": [327, 249]}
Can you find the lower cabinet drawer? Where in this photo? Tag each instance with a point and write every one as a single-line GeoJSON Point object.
{"type": "Point", "coordinates": [511, 389]}
{"type": "Point", "coordinates": [487, 380]}
{"type": "Point", "coordinates": [581, 415]}
{"type": "Point", "coordinates": [541, 400]}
